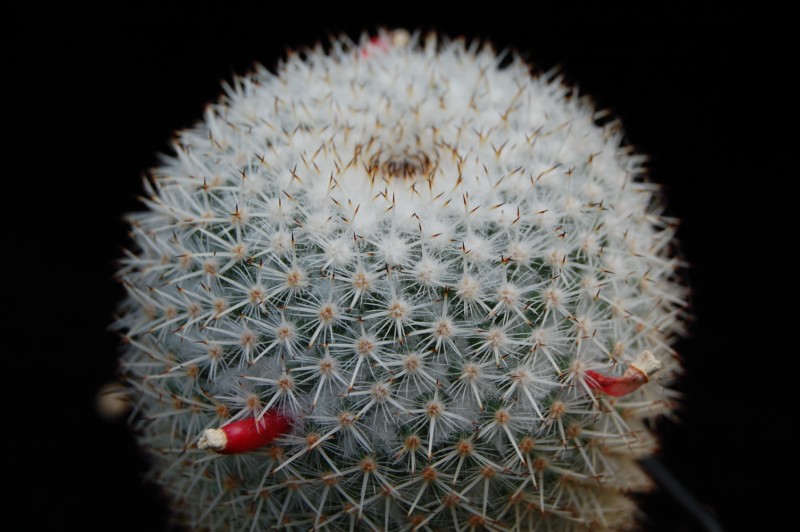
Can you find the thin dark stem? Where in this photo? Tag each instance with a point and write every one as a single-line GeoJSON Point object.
{"type": "Point", "coordinates": [670, 484]}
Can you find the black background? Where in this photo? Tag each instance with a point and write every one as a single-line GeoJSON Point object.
{"type": "Point", "coordinates": [97, 92]}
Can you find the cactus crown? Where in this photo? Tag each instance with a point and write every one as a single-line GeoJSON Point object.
{"type": "Point", "coordinates": [421, 258]}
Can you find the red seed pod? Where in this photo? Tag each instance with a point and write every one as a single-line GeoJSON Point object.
{"type": "Point", "coordinates": [616, 386]}
{"type": "Point", "coordinates": [637, 374]}
{"type": "Point", "coordinates": [246, 434]}
{"type": "Point", "coordinates": [378, 43]}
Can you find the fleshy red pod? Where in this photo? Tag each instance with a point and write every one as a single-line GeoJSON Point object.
{"type": "Point", "coordinates": [637, 374]}
{"type": "Point", "coordinates": [246, 434]}
{"type": "Point", "coordinates": [616, 386]}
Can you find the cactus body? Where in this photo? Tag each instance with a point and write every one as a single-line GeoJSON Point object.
{"type": "Point", "coordinates": [445, 273]}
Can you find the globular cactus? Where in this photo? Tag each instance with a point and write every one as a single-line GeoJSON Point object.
{"type": "Point", "coordinates": [401, 284]}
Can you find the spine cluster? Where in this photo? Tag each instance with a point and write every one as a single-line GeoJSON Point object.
{"type": "Point", "coordinates": [429, 265]}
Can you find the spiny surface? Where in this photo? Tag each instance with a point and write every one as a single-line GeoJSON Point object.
{"type": "Point", "coordinates": [416, 254]}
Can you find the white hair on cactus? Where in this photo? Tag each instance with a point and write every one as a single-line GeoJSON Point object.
{"type": "Point", "coordinates": [452, 281]}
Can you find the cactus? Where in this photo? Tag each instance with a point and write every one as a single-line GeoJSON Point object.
{"type": "Point", "coordinates": [401, 283]}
